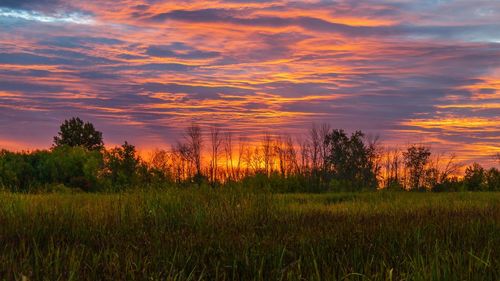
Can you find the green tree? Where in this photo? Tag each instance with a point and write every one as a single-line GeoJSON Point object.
{"type": "Point", "coordinates": [475, 177]}
{"type": "Point", "coordinates": [351, 160]}
{"type": "Point", "coordinates": [74, 167]}
{"type": "Point", "coordinates": [76, 132]}
{"type": "Point", "coordinates": [16, 172]}
{"type": "Point", "coordinates": [493, 179]}
{"type": "Point", "coordinates": [123, 165]}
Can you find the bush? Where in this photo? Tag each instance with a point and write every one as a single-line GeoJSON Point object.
{"type": "Point", "coordinates": [73, 167]}
{"type": "Point", "coordinates": [449, 184]}
{"type": "Point", "coordinates": [395, 185]}
{"type": "Point", "coordinates": [493, 179]}
{"type": "Point", "coordinates": [475, 179]}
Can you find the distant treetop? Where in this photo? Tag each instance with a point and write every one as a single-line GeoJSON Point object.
{"type": "Point", "coordinates": [75, 132]}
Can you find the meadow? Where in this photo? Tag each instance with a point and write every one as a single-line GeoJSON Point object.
{"type": "Point", "coordinates": [235, 234]}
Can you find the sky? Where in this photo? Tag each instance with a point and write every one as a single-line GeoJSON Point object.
{"type": "Point", "coordinates": [423, 71]}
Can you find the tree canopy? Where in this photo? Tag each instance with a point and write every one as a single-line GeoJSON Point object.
{"type": "Point", "coordinates": [76, 132]}
{"type": "Point", "coordinates": [329, 160]}
{"type": "Point", "coordinates": [351, 159]}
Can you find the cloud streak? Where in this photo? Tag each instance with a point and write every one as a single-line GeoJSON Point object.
{"type": "Point", "coordinates": [144, 70]}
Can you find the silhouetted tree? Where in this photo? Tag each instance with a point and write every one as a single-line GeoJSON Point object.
{"type": "Point", "coordinates": [183, 165]}
{"type": "Point", "coordinates": [351, 160]}
{"type": "Point", "coordinates": [325, 158]}
{"type": "Point", "coordinates": [416, 158]}
{"type": "Point", "coordinates": [123, 165]}
{"type": "Point", "coordinates": [161, 166]}
{"type": "Point", "coordinates": [325, 148]}
{"type": "Point", "coordinates": [267, 153]}
{"type": "Point", "coordinates": [475, 178]}
{"type": "Point", "coordinates": [194, 140]}
{"type": "Point", "coordinates": [215, 143]}
{"type": "Point", "coordinates": [256, 158]}
{"type": "Point", "coordinates": [392, 166]}
{"type": "Point", "coordinates": [75, 132]}
{"type": "Point", "coordinates": [305, 157]}
{"type": "Point", "coordinates": [493, 179]}
{"type": "Point", "coordinates": [284, 150]}
{"type": "Point", "coordinates": [315, 147]}
{"type": "Point", "coordinates": [228, 152]}
{"type": "Point", "coordinates": [241, 151]}
{"type": "Point", "coordinates": [291, 156]}
{"type": "Point", "coordinates": [280, 152]}
{"type": "Point", "coordinates": [319, 149]}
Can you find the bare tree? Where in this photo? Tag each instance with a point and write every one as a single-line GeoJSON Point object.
{"type": "Point", "coordinates": [375, 150]}
{"type": "Point", "coordinates": [392, 167]}
{"type": "Point", "coordinates": [291, 152]}
{"type": "Point", "coordinates": [280, 152]}
{"type": "Point", "coordinates": [233, 162]}
{"type": "Point", "coordinates": [194, 140]}
{"type": "Point", "coordinates": [396, 165]}
{"type": "Point", "coordinates": [215, 142]}
{"type": "Point", "coordinates": [248, 160]}
{"type": "Point", "coordinates": [305, 157]}
{"type": "Point", "coordinates": [228, 151]}
{"type": "Point", "coordinates": [267, 153]}
{"type": "Point", "coordinates": [241, 151]}
{"type": "Point", "coordinates": [438, 172]}
{"type": "Point", "coordinates": [318, 151]}
{"type": "Point", "coordinates": [286, 154]}
{"type": "Point", "coordinates": [416, 158]}
{"type": "Point", "coordinates": [161, 162]}
{"type": "Point", "coordinates": [450, 168]}
{"type": "Point", "coordinates": [182, 162]}
{"type": "Point", "coordinates": [324, 152]}
{"type": "Point", "coordinates": [315, 146]}
{"type": "Point", "coordinates": [324, 132]}
{"type": "Point", "coordinates": [256, 159]}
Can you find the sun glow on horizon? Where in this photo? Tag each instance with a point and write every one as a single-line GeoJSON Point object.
{"type": "Point", "coordinates": [144, 71]}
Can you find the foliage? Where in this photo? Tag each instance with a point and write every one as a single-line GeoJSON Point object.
{"type": "Point", "coordinates": [351, 160]}
{"type": "Point", "coordinates": [329, 160]}
{"type": "Point", "coordinates": [123, 167]}
{"type": "Point", "coordinates": [74, 167]}
{"type": "Point", "coordinates": [449, 184]}
{"type": "Point", "coordinates": [492, 179]}
{"type": "Point", "coordinates": [477, 178]}
{"type": "Point", "coordinates": [75, 132]}
{"type": "Point", "coordinates": [474, 177]}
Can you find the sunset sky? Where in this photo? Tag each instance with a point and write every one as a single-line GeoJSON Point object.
{"type": "Point", "coordinates": [423, 71]}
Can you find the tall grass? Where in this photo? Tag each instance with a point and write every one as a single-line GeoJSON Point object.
{"type": "Point", "coordinates": [203, 234]}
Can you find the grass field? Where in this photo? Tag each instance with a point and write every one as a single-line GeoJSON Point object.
{"type": "Point", "coordinates": [240, 235]}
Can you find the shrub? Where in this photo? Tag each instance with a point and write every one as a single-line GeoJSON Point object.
{"type": "Point", "coordinates": [493, 179]}
{"type": "Point", "coordinates": [475, 178]}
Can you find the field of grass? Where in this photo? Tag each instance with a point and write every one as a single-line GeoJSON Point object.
{"type": "Point", "coordinates": [240, 235]}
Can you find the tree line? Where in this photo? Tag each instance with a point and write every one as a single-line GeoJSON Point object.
{"type": "Point", "coordinates": [325, 160]}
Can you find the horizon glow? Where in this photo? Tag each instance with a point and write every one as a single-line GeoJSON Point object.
{"type": "Point", "coordinates": [410, 71]}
